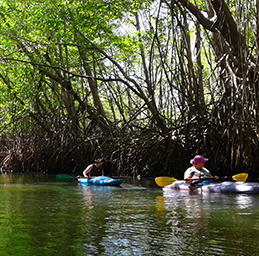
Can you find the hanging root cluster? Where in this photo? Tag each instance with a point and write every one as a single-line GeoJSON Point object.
{"type": "Point", "coordinates": [147, 155]}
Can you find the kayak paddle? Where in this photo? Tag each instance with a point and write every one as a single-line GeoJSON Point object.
{"type": "Point", "coordinates": [242, 177]}
{"type": "Point", "coordinates": [164, 181]}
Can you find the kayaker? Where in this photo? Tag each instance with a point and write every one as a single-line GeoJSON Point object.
{"type": "Point", "coordinates": [198, 171]}
{"type": "Point", "coordinates": [95, 169]}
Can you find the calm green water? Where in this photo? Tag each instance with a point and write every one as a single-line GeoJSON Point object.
{"type": "Point", "coordinates": [39, 216]}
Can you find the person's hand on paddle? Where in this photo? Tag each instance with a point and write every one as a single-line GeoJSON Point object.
{"type": "Point", "coordinates": [216, 178]}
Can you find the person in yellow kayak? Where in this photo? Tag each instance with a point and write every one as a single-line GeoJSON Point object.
{"type": "Point", "coordinates": [198, 171]}
{"type": "Point", "coordinates": [95, 169]}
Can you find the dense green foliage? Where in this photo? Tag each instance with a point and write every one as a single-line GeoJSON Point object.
{"type": "Point", "coordinates": [145, 84]}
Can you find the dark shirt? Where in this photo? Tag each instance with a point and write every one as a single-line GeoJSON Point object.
{"type": "Point", "coordinates": [96, 171]}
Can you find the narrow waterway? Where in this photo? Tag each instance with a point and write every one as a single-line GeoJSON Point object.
{"type": "Point", "coordinates": [39, 216]}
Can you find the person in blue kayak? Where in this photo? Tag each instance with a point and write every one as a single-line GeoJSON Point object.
{"type": "Point", "coordinates": [198, 171]}
{"type": "Point", "coordinates": [95, 169]}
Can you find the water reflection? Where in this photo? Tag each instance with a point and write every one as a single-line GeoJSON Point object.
{"type": "Point", "coordinates": [72, 220]}
{"type": "Point", "coordinates": [187, 216]}
{"type": "Point", "coordinates": [211, 200]}
{"type": "Point", "coordinates": [123, 221]}
{"type": "Point", "coordinates": [244, 201]}
{"type": "Point", "coordinates": [217, 224]}
{"type": "Point", "coordinates": [87, 194]}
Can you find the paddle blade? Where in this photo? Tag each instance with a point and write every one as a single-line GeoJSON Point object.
{"type": "Point", "coordinates": [242, 177]}
{"type": "Point", "coordinates": [164, 181]}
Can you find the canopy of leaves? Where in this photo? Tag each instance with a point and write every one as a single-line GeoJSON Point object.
{"type": "Point", "coordinates": [142, 83]}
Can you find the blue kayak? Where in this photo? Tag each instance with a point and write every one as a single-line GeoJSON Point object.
{"type": "Point", "coordinates": [100, 181]}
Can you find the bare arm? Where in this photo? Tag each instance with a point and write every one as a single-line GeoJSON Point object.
{"type": "Point", "coordinates": [88, 169]}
